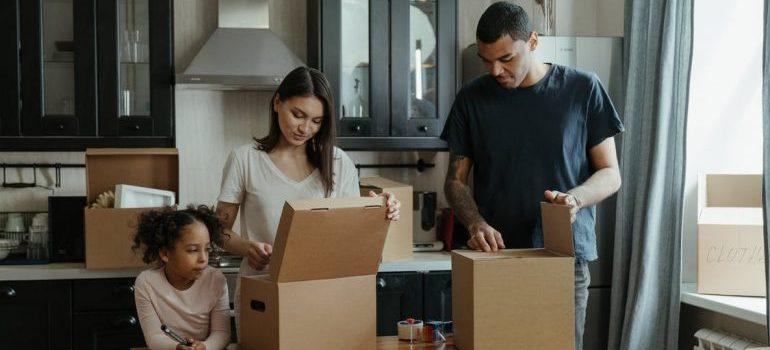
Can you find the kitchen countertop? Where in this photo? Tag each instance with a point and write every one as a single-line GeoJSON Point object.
{"type": "Point", "coordinates": [422, 261]}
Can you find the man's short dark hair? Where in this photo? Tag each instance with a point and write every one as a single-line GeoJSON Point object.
{"type": "Point", "coordinates": [503, 18]}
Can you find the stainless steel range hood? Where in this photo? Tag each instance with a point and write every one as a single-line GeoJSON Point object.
{"type": "Point", "coordinates": [242, 53]}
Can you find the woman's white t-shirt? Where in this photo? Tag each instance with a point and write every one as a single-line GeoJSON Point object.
{"type": "Point", "coordinates": [253, 181]}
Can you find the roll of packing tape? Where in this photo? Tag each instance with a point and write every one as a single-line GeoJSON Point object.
{"type": "Point", "coordinates": [410, 332]}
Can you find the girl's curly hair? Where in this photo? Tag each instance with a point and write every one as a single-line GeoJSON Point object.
{"type": "Point", "coordinates": [160, 229]}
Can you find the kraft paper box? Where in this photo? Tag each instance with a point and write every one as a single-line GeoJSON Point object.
{"type": "Point", "coordinates": [731, 255]}
{"type": "Point", "coordinates": [518, 298]}
{"type": "Point", "coordinates": [321, 290]}
{"type": "Point", "coordinates": [398, 244]}
{"type": "Point", "coordinates": [109, 232]}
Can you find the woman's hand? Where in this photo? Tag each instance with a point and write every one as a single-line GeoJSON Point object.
{"type": "Point", "coordinates": [258, 255]}
{"type": "Point", "coordinates": [195, 345]}
{"type": "Point", "coordinates": [394, 206]}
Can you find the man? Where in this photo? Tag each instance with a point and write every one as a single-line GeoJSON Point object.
{"type": "Point", "coordinates": [531, 131]}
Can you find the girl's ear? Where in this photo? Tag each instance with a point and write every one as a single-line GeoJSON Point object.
{"type": "Point", "coordinates": [163, 253]}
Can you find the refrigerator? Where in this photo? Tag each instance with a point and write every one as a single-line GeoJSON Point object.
{"type": "Point", "coordinates": [602, 55]}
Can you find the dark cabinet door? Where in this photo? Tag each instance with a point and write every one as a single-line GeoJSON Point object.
{"type": "Point", "coordinates": [35, 315]}
{"type": "Point", "coordinates": [438, 296]}
{"type": "Point", "coordinates": [103, 295]}
{"type": "Point", "coordinates": [9, 75]}
{"type": "Point", "coordinates": [422, 67]}
{"type": "Point", "coordinates": [135, 68]}
{"type": "Point", "coordinates": [58, 74]}
{"type": "Point", "coordinates": [399, 296]}
{"type": "Point", "coordinates": [354, 58]}
{"type": "Point", "coordinates": [118, 330]}
{"type": "Point", "coordinates": [597, 319]}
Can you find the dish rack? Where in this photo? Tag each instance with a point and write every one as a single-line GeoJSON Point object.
{"type": "Point", "coordinates": [26, 252]}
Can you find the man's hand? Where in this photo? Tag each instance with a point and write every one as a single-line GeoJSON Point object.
{"type": "Point", "coordinates": [484, 237]}
{"type": "Point", "coordinates": [562, 198]}
{"type": "Point", "coordinates": [259, 255]}
{"type": "Point", "coordinates": [196, 345]}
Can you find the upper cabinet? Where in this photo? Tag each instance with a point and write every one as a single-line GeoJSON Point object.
{"type": "Point", "coordinates": [391, 65]}
{"type": "Point", "coordinates": [86, 73]}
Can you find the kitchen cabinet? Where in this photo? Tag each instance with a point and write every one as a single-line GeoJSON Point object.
{"type": "Point", "coordinates": [86, 73]}
{"type": "Point", "coordinates": [399, 296]}
{"type": "Point", "coordinates": [106, 330]}
{"type": "Point", "coordinates": [35, 315]}
{"type": "Point", "coordinates": [391, 65]}
{"type": "Point", "coordinates": [104, 314]}
{"type": "Point", "coordinates": [438, 296]}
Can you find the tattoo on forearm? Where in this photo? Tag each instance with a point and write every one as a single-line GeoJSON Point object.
{"type": "Point", "coordinates": [459, 193]}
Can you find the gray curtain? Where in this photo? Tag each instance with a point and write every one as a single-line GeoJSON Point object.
{"type": "Point", "coordinates": [766, 147]}
{"type": "Point", "coordinates": [646, 275]}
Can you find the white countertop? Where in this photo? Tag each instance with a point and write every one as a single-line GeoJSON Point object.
{"type": "Point", "coordinates": [752, 309]}
{"type": "Point", "coordinates": [423, 261]}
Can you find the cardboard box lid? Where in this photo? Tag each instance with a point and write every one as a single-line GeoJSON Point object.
{"type": "Point", "coordinates": [329, 238]}
{"type": "Point", "coordinates": [557, 228]}
{"type": "Point", "coordinates": [729, 190]}
{"type": "Point", "coordinates": [147, 167]}
{"type": "Point", "coordinates": [380, 182]}
{"type": "Point", "coordinates": [731, 216]}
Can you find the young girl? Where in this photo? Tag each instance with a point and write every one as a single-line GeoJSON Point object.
{"type": "Point", "coordinates": [182, 292]}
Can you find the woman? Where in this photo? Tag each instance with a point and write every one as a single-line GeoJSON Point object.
{"type": "Point", "coordinates": [297, 159]}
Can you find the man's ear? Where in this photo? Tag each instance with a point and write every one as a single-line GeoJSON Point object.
{"type": "Point", "coordinates": [532, 41]}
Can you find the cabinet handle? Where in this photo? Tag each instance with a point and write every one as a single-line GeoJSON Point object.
{"type": "Point", "coordinates": [381, 283]}
{"type": "Point", "coordinates": [7, 292]}
{"type": "Point", "coordinates": [423, 128]}
{"type": "Point", "coordinates": [125, 321]}
{"type": "Point", "coordinates": [124, 289]}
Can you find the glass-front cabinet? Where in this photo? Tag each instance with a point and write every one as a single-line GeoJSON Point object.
{"type": "Point", "coordinates": [392, 66]}
{"type": "Point", "coordinates": [85, 73]}
{"type": "Point", "coordinates": [135, 75]}
{"type": "Point", "coordinates": [58, 79]}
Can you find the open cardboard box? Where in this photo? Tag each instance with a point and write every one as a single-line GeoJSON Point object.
{"type": "Point", "coordinates": [109, 232]}
{"type": "Point", "coordinates": [731, 254]}
{"type": "Point", "coordinates": [320, 293]}
{"type": "Point", "coordinates": [398, 244]}
{"type": "Point", "coordinates": [518, 298]}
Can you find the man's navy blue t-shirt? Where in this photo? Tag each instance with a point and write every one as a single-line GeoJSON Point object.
{"type": "Point", "coordinates": [525, 141]}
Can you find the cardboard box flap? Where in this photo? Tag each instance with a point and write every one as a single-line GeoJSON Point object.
{"type": "Point", "coordinates": [557, 228]}
{"type": "Point", "coordinates": [731, 216]}
{"type": "Point", "coordinates": [379, 183]}
{"type": "Point", "coordinates": [156, 168]}
{"type": "Point", "coordinates": [729, 190]}
{"type": "Point", "coordinates": [329, 238]}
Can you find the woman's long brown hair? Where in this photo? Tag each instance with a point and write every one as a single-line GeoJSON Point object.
{"type": "Point", "coordinates": [306, 82]}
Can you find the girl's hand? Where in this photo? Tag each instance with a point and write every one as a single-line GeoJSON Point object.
{"type": "Point", "coordinates": [394, 206]}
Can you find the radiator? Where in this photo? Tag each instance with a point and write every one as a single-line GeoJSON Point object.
{"type": "Point", "coordinates": [714, 340]}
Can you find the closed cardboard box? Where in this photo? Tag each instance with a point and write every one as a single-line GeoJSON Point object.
{"type": "Point", "coordinates": [731, 255]}
{"type": "Point", "coordinates": [398, 245]}
{"type": "Point", "coordinates": [109, 232]}
{"type": "Point", "coordinates": [320, 293]}
{"type": "Point", "coordinates": [518, 298]}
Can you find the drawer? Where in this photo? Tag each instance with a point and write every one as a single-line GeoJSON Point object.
{"type": "Point", "coordinates": [60, 126]}
{"type": "Point", "coordinates": [103, 294]}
